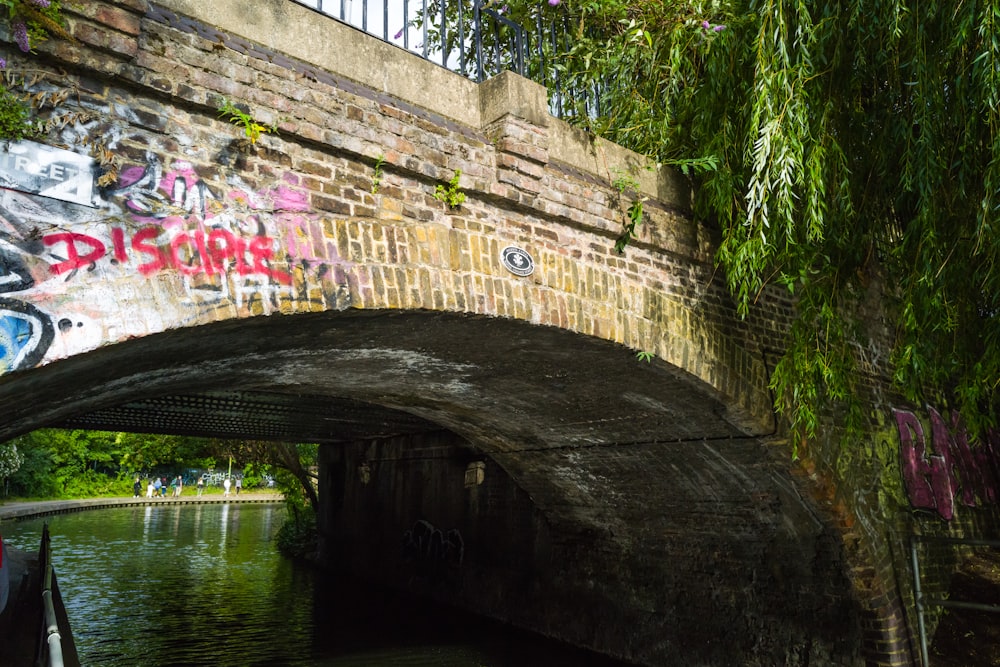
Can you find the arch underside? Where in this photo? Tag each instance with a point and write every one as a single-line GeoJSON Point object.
{"type": "Point", "coordinates": [663, 514]}
{"type": "Point", "coordinates": [499, 382]}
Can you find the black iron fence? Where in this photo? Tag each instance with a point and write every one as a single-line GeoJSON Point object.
{"type": "Point", "coordinates": [475, 38]}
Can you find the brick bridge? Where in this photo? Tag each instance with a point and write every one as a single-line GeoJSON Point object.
{"type": "Point", "coordinates": [495, 422]}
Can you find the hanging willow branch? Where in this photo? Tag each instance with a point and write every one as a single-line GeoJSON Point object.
{"type": "Point", "coordinates": [855, 142]}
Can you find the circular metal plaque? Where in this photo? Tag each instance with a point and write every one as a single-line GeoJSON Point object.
{"type": "Point", "coordinates": [517, 261]}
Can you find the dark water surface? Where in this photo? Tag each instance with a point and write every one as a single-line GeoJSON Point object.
{"type": "Point", "coordinates": [205, 585]}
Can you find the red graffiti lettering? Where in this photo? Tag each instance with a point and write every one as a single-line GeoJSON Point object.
{"type": "Point", "coordinates": [921, 476]}
{"type": "Point", "coordinates": [118, 240]}
{"type": "Point", "coordinates": [932, 479]}
{"type": "Point", "coordinates": [222, 248]}
{"type": "Point", "coordinates": [189, 252]}
{"type": "Point", "coordinates": [206, 262]}
{"type": "Point", "coordinates": [190, 265]}
{"type": "Point", "coordinates": [143, 242]}
{"type": "Point", "coordinates": [74, 259]}
{"type": "Point", "coordinates": [261, 249]}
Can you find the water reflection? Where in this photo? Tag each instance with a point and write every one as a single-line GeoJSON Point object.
{"type": "Point", "coordinates": [203, 584]}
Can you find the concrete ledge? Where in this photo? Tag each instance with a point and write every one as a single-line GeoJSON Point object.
{"type": "Point", "coordinates": [312, 37]}
{"type": "Point", "coordinates": [29, 510]}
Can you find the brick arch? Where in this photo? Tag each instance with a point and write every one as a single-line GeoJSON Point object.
{"type": "Point", "coordinates": [203, 240]}
{"type": "Point", "coordinates": [578, 284]}
{"type": "Point", "coordinates": [499, 381]}
{"type": "Point", "coordinates": [172, 247]}
{"type": "Point", "coordinates": [630, 465]}
{"type": "Point", "coordinates": [199, 227]}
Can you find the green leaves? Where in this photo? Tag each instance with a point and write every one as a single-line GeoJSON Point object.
{"type": "Point", "coordinates": [16, 119]}
{"type": "Point", "coordinates": [252, 128]}
{"type": "Point", "coordinates": [838, 146]}
{"type": "Point", "coordinates": [452, 194]}
{"type": "Point", "coordinates": [624, 184]}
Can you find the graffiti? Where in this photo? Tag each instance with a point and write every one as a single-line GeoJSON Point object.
{"type": "Point", "coordinates": [953, 468]}
{"type": "Point", "coordinates": [25, 332]}
{"type": "Point", "coordinates": [228, 244]}
{"type": "Point", "coordinates": [47, 171]}
{"type": "Point", "coordinates": [14, 275]}
{"type": "Point", "coordinates": [432, 551]}
{"type": "Point", "coordinates": [25, 335]}
{"type": "Point", "coordinates": [193, 252]}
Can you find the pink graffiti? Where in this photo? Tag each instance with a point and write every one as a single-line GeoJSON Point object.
{"type": "Point", "coordinates": [932, 479]}
{"type": "Point", "coordinates": [190, 228]}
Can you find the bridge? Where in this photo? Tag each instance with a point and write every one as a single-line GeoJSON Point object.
{"type": "Point", "coordinates": [418, 272]}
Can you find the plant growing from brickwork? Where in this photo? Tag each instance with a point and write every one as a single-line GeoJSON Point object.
{"type": "Point", "coordinates": [28, 22]}
{"type": "Point", "coordinates": [452, 195]}
{"type": "Point", "coordinates": [252, 128]}
{"type": "Point", "coordinates": [107, 160]}
{"type": "Point", "coordinates": [377, 175]}
{"type": "Point", "coordinates": [624, 184]}
{"type": "Point", "coordinates": [31, 22]}
{"type": "Point", "coordinates": [29, 113]}
{"type": "Point", "coordinates": [16, 118]}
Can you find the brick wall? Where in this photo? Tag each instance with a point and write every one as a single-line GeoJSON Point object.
{"type": "Point", "coordinates": [200, 227]}
{"type": "Point", "coordinates": [152, 82]}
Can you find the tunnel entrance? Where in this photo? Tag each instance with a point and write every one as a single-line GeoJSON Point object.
{"type": "Point", "coordinates": [531, 474]}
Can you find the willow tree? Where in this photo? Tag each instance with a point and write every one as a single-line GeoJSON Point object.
{"type": "Point", "coordinates": [838, 146]}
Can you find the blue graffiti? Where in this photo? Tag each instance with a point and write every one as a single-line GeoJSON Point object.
{"type": "Point", "coordinates": [25, 335]}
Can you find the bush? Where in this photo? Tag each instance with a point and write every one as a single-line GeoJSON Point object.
{"type": "Point", "coordinates": [297, 537]}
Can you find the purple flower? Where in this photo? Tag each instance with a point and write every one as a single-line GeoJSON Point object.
{"type": "Point", "coordinates": [41, 3]}
{"type": "Point", "coordinates": [3, 63]}
{"type": "Point", "coordinates": [399, 34]}
{"type": "Point", "coordinates": [554, 3]}
{"type": "Point", "coordinates": [21, 36]}
{"type": "Point", "coordinates": [719, 28]}
{"type": "Point", "coordinates": [706, 25]}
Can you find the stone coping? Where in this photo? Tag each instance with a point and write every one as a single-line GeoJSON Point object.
{"type": "Point", "coordinates": [33, 509]}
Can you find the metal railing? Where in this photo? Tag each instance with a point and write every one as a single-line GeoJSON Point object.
{"type": "Point", "coordinates": [923, 602]}
{"type": "Point", "coordinates": [50, 645]}
{"type": "Point", "coordinates": [471, 37]}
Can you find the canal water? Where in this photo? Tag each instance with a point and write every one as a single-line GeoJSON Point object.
{"type": "Point", "coordinates": [205, 584]}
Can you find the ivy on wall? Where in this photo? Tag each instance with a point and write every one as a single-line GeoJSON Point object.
{"type": "Point", "coordinates": [27, 23]}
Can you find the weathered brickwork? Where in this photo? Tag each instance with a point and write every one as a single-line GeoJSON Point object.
{"type": "Point", "coordinates": [336, 213]}
{"type": "Point", "coordinates": [335, 242]}
{"type": "Point", "coordinates": [513, 550]}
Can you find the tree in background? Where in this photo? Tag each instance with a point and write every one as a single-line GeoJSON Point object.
{"type": "Point", "coordinates": [66, 463]}
{"type": "Point", "coordinates": [10, 462]}
{"type": "Point", "coordinates": [844, 150]}
{"type": "Point", "coordinates": [77, 463]}
{"type": "Point", "coordinates": [295, 471]}
{"type": "Point", "coordinates": [295, 463]}
{"type": "Point", "coordinates": [142, 452]}
{"type": "Point", "coordinates": [54, 463]}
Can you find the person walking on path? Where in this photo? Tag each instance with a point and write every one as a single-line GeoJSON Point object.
{"type": "Point", "coordinates": [156, 487]}
{"type": "Point", "coordinates": [225, 485]}
{"type": "Point", "coordinates": [201, 485]}
{"type": "Point", "coordinates": [136, 488]}
{"type": "Point", "coordinates": [178, 486]}
{"type": "Point", "coordinates": [149, 488]}
{"type": "Point", "coordinates": [239, 485]}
